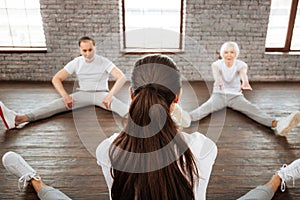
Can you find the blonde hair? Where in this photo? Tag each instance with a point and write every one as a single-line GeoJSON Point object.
{"type": "Point", "coordinates": [227, 45]}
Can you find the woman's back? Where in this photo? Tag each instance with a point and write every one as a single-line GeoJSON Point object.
{"type": "Point", "coordinates": [149, 159]}
{"type": "Point", "coordinates": [203, 149]}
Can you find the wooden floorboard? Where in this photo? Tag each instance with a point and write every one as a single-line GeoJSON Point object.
{"type": "Point", "coordinates": [61, 148]}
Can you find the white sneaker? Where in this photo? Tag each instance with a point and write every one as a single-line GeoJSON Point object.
{"type": "Point", "coordinates": [284, 125]}
{"type": "Point", "coordinates": [8, 116]}
{"type": "Point", "coordinates": [16, 165]}
{"type": "Point", "coordinates": [289, 173]}
{"type": "Point", "coordinates": [181, 117]}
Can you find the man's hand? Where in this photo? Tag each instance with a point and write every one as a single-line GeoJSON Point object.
{"type": "Point", "coordinates": [120, 80]}
{"type": "Point", "coordinates": [68, 101]}
{"type": "Point", "coordinates": [57, 80]}
{"type": "Point", "coordinates": [219, 84]}
{"type": "Point", "coordinates": [107, 101]}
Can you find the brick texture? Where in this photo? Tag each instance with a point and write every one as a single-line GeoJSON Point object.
{"type": "Point", "coordinates": [207, 25]}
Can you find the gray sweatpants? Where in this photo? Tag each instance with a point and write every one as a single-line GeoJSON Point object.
{"type": "Point", "coordinates": [258, 193]}
{"type": "Point", "coordinates": [237, 102]}
{"type": "Point", "coordinates": [50, 193]}
{"type": "Point", "coordinates": [81, 99]}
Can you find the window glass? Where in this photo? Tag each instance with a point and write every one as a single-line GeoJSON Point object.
{"type": "Point", "coordinates": [278, 23]}
{"type": "Point", "coordinates": [295, 45]}
{"type": "Point", "coordinates": [21, 24]}
{"type": "Point", "coordinates": [152, 24]}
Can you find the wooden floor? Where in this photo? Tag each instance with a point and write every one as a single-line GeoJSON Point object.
{"type": "Point", "coordinates": [62, 147]}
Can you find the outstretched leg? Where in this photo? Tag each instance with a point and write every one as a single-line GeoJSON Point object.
{"type": "Point", "coordinates": [116, 106]}
{"type": "Point", "coordinates": [216, 102]}
{"type": "Point", "coordinates": [16, 165]}
{"type": "Point", "coordinates": [287, 173]}
{"type": "Point", "coordinates": [264, 192]}
{"type": "Point", "coordinates": [241, 104]}
{"type": "Point", "coordinates": [281, 127]}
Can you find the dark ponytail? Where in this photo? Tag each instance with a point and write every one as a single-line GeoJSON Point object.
{"type": "Point", "coordinates": [149, 159]}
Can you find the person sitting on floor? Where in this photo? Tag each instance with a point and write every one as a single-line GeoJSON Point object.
{"type": "Point", "coordinates": [92, 72]}
{"type": "Point", "coordinates": [230, 79]}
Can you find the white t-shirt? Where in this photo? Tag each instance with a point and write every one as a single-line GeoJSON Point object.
{"type": "Point", "coordinates": [91, 76]}
{"type": "Point", "coordinates": [230, 77]}
{"type": "Point", "coordinates": [203, 149]}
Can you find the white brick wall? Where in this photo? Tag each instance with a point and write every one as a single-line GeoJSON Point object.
{"type": "Point", "coordinates": [208, 25]}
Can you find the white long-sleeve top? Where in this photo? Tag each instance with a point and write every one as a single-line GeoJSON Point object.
{"type": "Point", "coordinates": [203, 149]}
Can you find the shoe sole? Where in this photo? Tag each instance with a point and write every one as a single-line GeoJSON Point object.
{"type": "Point", "coordinates": [293, 123]}
{"type": "Point", "coordinates": [3, 118]}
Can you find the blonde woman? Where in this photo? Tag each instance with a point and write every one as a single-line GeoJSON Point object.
{"type": "Point", "coordinates": [230, 79]}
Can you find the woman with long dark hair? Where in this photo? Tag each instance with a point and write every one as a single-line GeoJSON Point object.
{"type": "Point", "coordinates": [150, 158]}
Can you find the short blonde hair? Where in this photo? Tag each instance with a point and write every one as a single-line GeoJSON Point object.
{"type": "Point", "coordinates": [227, 45]}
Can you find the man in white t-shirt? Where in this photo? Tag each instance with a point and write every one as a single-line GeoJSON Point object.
{"type": "Point", "coordinates": [230, 75]}
{"type": "Point", "coordinates": [92, 72]}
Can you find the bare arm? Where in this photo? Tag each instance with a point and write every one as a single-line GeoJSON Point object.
{"type": "Point", "coordinates": [57, 80]}
{"type": "Point", "coordinates": [120, 81]}
{"type": "Point", "coordinates": [244, 78]}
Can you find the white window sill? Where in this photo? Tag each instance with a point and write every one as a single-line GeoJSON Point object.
{"type": "Point", "coordinates": [23, 49]}
{"type": "Point", "coordinates": [148, 51]}
{"type": "Point", "coordinates": [297, 53]}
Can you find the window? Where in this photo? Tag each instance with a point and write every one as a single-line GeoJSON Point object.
{"type": "Point", "coordinates": [152, 26]}
{"type": "Point", "coordinates": [21, 26]}
{"type": "Point", "coordinates": [283, 33]}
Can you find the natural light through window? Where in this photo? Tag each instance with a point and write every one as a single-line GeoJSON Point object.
{"type": "Point", "coordinates": [296, 33]}
{"type": "Point", "coordinates": [21, 24]}
{"type": "Point", "coordinates": [283, 34]}
{"type": "Point", "coordinates": [278, 23]}
{"type": "Point", "coordinates": [152, 24]}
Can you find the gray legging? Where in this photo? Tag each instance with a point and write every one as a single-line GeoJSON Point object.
{"type": "Point", "coordinates": [238, 102]}
{"type": "Point", "coordinates": [258, 193]}
{"type": "Point", "coordinates": [81, 99]}
{"type": "Point", "coordinates": [50, 193]}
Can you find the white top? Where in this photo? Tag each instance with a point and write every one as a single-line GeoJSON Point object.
{"type": "Point", "coordinates": [91, 76]}
{"type": "Point", "coordinates": [231, 81]}
{"type": "Point", "coordinates": [203, 149]}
